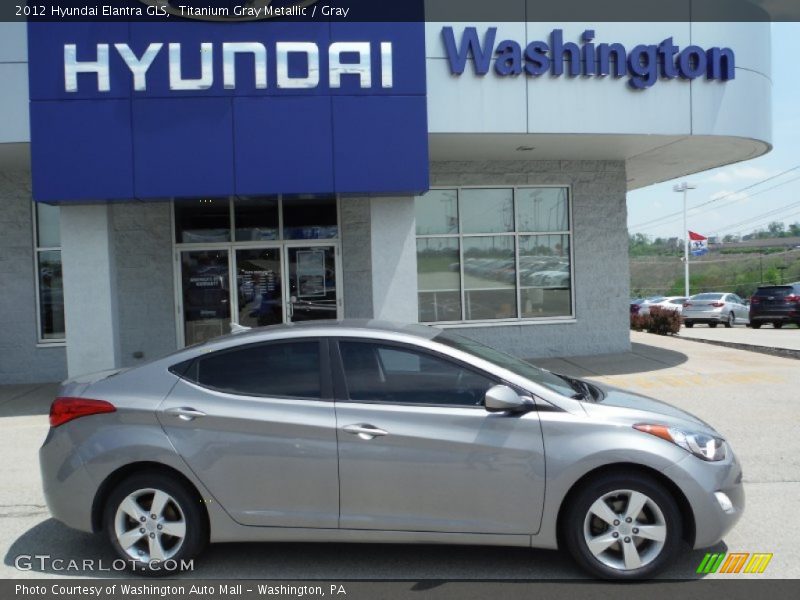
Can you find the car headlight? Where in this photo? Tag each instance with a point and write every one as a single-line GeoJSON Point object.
{"type": "Point", "coordinates": [702, 445]}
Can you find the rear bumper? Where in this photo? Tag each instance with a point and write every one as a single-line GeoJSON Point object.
{"type": "Point", "coordinates": [68, 489]}
{"type": "Point", "coordinates": [705, 317]}
{"type": "Point", "coordinates": [783, 317]}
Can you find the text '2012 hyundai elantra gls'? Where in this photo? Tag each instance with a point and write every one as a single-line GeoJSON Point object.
{"type": "Point", "coordinates": [374, 432]}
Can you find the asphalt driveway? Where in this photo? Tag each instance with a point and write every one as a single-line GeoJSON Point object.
{"type": "Point", "coordinates": [751, 398]}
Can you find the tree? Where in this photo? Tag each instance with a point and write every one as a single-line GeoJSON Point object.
{"type": "Point", "coordinates": [776, 229]}
{"type": "Point", "coordinates": [794, 229]}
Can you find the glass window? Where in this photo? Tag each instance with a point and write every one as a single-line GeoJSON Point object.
{"type": "Point", "coordinates": [309, 217]}
{"type": "Point", "coordinates": [398, 375]}
{"type": "Point", "coordinates": [488, 270]}
{"type": "Point", "coordinates": [48, 226]}
{"type": "Point", "coordinates": [542, 209]}
{"type": "Point", "coordinates": [277, 370]}
{"type": "Point", "coordinates": [50, 283]}
{"type": "Point", "coordinates": [489, 278]}
{"type": "Point", "coordinates": [256, 219]}
{"type": "Point", "coordinates": [205, 286]}
{"type": "Point", "coordinates": [202, 221]}
{"type": "Point", "coordinates": [544, 275]}
{"type": "Point", "coordinates": [437, 212]}
{"type": "Point", "coordinates": [486, 211]}
{"type": "Point", "coordinates": [439, 279]}
{"type": "Point", "coordinates": [258, 284]}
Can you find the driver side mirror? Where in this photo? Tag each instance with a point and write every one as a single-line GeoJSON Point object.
{"type": "Point", "coordinates": [501, 398]}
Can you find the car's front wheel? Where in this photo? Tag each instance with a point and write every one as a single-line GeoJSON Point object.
{"type": "Point", "coordinates": [623, 527]}
{"type": "Point", "coordinates": [731, 320]}
{"type": "Point", "coordinates": [155, 524]}
{"type": "Point", "coordinates": [688, 324]}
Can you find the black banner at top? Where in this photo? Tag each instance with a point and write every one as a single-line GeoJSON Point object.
{"type": "Point", "coordinates": [470, 11]}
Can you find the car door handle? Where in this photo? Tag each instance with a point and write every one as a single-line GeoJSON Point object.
{"type": "Point", "coordinates": [365, 431]}
{"type": "Point", "coordinates": [185, 413]}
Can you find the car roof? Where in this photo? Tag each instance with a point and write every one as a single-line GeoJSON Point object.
{"type": "Point", "coordinates": [332, 328]}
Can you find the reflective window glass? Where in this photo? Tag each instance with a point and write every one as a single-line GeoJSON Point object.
{"type": "Point", "coordinates": [487, 210]}
{"type": "Point", "coordinates": [544, 275]}
{"type": "Point", "coordinates": [51, 295]}
{"type": "Point", "coordinates": [256, 218]}
{"type": "Point", "coordinates": [399, 375]}
{"type": "Point", "coordinates": [48, 232]}
{"type": "Point", "coordinates": [276, 370]}
{"type": "Point", "coordinates": [438, 279]}
{"type": "Point", "coordinates": [436, 212]}
{"type": "Point", "coordinates": [489, 278]}
{"type": "Point", "coordinates": [309, 217]}
{"type": "Point", "coordinates": [542, 209]}
{"type": "Point", "coordinates": [206, 220]}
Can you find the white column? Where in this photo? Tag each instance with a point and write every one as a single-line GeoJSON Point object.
{"type": "Point", "coordinates": [90, 302]}
{"type": "Point", "coordinates": [394, 259]}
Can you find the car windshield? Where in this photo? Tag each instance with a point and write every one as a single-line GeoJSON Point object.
{"type": "Point", "coordinates": [512, 363]}
{"type": "Point", "coordinates": [655, 299]}
{"type": "Point", "coordinates": [707, 296]}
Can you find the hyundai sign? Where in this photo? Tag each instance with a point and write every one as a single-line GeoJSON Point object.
{"type": "Point", "coordinates": [193, 108]}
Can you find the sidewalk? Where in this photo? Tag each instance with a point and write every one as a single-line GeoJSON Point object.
{"type": "Point", "coordinates": [26, 399]}
{"type": "Point", "coordinates": [768, 340]}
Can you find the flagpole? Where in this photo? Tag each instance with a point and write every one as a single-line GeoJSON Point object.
{"type": "Point", "coordinates": [685, 187]}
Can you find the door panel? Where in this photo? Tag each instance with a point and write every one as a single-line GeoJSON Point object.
{"type": "Point", "coordinates": [440, 469]}
{"type": "Point", "coordinates": [417, 453]}
{"type": "Point", "coordinates": [269, 461]}
{"type": "Point", "coordinates": [258, 282]}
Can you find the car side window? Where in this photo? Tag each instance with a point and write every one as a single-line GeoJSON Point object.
{"type": "Point", "coordinates": [400, 375]}
{"type": "Point", "coordinates": [277, 369]}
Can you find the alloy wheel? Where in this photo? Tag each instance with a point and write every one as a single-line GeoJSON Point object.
{"type": "Point", "coordinates": [625, 530]}
{"type": "Point", "coordinates": [149, 525]}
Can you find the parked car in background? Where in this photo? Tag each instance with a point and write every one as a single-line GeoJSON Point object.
{"type": "Point", "coordinates": [776, 304]}
{"type": "Point", "coordinates": [666, 302]}
{"type": "Point", "coordinates": [636, 304]}
{"type": "Point", "coordinates": [714, 308]}
{"type": "Point", "coordinates": [374, 432]}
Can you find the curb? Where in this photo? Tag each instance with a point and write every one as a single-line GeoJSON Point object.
{"type": "Point", "coordinates": [780, 352]}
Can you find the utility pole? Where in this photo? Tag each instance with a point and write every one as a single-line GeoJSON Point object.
{"type": "Point", "coordinates": [684, 188]}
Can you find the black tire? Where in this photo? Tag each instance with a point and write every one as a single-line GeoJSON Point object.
{"type": "Point", "coordinates": [183, 500]}
{"type": "Point", "coordinates": [712, 325]}
{"type": "Point", "coordinates": [688, 324]}
{"type": "Point", "coordinates": [755, 324]}
{"type": "Point", "coordinates": [575, 519]}
{"type": "Point", "coordinates": [777, 325]}
{"type": "Point", "coordinates": [731, 320]}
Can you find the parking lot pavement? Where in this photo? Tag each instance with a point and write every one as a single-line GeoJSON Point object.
{"type": "Point", "coordinates": [786, 338]}
{"type": "Point", "coordinates": [751, 398]}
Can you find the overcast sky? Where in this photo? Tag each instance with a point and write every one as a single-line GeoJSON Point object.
{"type": "Point", "coordinates": [744, 212]}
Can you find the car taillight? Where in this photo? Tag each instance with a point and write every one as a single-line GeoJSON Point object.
{"type": "Point", "coordinates": [717, 304]}
{"type": "Point", "coordinates": [755, 300]}
{"type": "Point", "coordinates": [792, 298]}
{"type": "Point", "coordinates": [66, 409]}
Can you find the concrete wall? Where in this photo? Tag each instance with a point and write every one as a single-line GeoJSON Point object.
{"type": "Point", "coordinates": [21, 361]}
{"type": "Point", "coordinates": [356, 244]}
{"type": "Point", "coordinates": [600, 246]}
{"type": "Point", "coordinates": [145, 280]}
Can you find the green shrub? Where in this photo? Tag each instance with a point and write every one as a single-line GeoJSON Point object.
{"type": "Point", "coordinates": [658, 320]}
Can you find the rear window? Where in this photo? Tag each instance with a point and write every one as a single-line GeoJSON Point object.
{"type": "Point", "coordinates": [778, 290]}
{"type": "Point", "coordinates": [707, 296]}
{"type": "Point", "coordinates": [277, 370]}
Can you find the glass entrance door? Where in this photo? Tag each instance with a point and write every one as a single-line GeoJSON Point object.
{"type": "Point", "coordinates": [259, 288]}
{"type": "Point", "coordinates": [205, 287]}
{"type": "Point", "coordinates": [312, 292]}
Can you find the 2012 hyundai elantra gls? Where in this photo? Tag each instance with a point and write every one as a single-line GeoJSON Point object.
{"type": "Point", "coordinates": [374, 432]}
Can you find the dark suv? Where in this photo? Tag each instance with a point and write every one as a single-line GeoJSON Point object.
{"type": "Point", "coordinates": [776, 304]}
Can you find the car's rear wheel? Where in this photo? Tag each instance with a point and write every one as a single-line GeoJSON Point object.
{"type": "Point", "coordinates": [755, 325]}
{"type": "Point", "coordinates": [688, 324]}
{"type": "Point", "coordinates": [712, 325]}
{"type": "Point", "coordinates": [777, 325]}
{"type": "Point", "coordinates": [623, 527]}
{"type": "Point", "coordinates": [154, 523]}
{"type": "Point", "coordinates": [731, 320]}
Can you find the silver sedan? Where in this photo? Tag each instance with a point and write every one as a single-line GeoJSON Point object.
{"type": "Point", "coordinates": [374, 432]}
{"type": "Point", "coordinates": [714, 308]}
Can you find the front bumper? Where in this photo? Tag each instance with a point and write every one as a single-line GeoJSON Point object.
{"type": "Point", "coordinates": [700, 480]}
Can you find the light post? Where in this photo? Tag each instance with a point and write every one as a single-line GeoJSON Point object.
{"type": "Point", "coordinates": [685, 187]}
